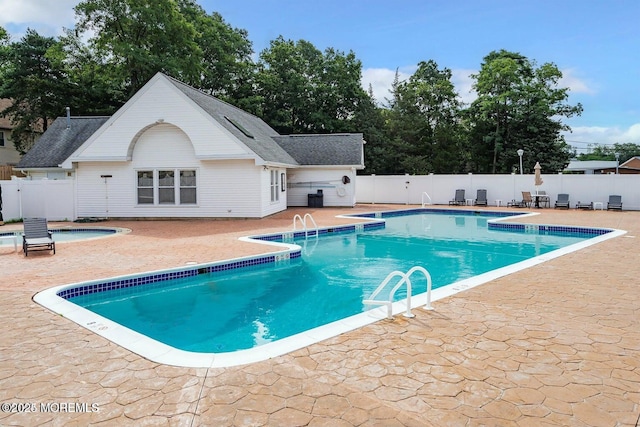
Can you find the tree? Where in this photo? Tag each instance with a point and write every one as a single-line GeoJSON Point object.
{"type": "Point", "coordinates": [424, 126]}
{"type": "Point", "coordinates": [138, 38]}
{"type": "Point", "coordinates": [603, 152]}
{"type": "Point", "coordinates": [36, 86]}
{"type": "Point", "coordinates": [519, 105]}
{"type": "Point", "coordinates": [306, 91]}
{"type": "Point", "coordinates": [227, 68]}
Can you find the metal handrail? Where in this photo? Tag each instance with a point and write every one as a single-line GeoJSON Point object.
{"type": "Point", "coordinates": [428, 197]}
{"type": "Point", "coordinates": [303, 221]}
{"type": "Point", "coordinates": [404, 278]}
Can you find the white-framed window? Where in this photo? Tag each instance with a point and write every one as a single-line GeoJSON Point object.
{"type": "Point", "coordinates": [1, 138]}
{"type": "Point", "coordinates": [160, 187]}
{"type": "Point", "coordinates": [275, 186]}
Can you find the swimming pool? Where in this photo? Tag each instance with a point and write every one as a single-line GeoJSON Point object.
{"type": "Point", "coordinates": [70, 234]}
{"type": "Point", "coordinates": [273, 308]}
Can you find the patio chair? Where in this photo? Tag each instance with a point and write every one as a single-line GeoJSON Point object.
{"type": "Point", "coordinates": [37, 236]}
{"type": "Point", "coordinates": [459, 198]}
{"type": "Point", "coordinates": [584, 205]}
{"type": "Point", "coordinates": [524, 203]}
{"type": "Point", "coordinates": [481, 198]}
{"type": "Point", "coordinates": [615, 203]}
{"type": "Point", "coordinates": [563, 201]}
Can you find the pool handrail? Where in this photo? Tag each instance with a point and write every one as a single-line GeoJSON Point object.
{"type": "Point", "coordinates": [303, 221]}
{"type": "Point", "coordinates": [430, 202]}
{"type": "Point", "coordinates": [404, 279]}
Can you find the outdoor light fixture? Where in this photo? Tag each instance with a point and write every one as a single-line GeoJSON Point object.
{"type": "Point", "coordinates": [520, 153]}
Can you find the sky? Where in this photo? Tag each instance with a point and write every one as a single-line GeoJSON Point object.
{"type": "Point", "coordinates": [596, 44]}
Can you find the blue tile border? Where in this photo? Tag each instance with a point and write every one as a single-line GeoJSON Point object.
{"type": "Point", "coordinates": [156, 278]}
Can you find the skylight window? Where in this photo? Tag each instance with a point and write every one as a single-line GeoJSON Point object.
{"type": "Point", "coordinates": [239, 127]}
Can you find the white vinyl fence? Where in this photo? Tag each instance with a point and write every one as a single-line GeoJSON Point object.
{"type": "Point", "coordinates": [55, 199]}
{"type": "Point", "coordinates": [51, 199]}
{"type": "Point", "coordinates": [410, 189]}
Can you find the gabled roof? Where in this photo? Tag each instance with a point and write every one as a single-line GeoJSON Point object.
{"type": "Point", "coordinates": [341, 149]}
{"type": "Point", "coordinates": [60, 141]}
{"type": "Point", "coordinates": [249, 129]}
{"type": "Point", "coordinates": [581, 165]}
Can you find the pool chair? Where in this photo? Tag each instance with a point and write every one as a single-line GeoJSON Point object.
{"type": "Point", "coordinates": [563, 201]}
{"type": "Point", "coordinates": [543, 199]}
{"type": "Point", "coordinates": [481, 198]}
{"type": "Point", "coordinates": [37, 236]}
{"type": "Point", "coordinates": [615, 203]}
{"type": "Point", "coordinates": [524, 203]}
{"type": "Point", "coordinates": [584, 205]}
{"type": "Point", "coordinates": [459, 198]}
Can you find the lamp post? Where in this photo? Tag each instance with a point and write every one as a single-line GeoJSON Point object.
{"type": "Point", "coordinates": [617, 162]}
{"type": "Point", "coordinates": [520, 153]}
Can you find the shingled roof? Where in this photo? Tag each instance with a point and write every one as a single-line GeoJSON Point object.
{"type": "Point", "coordinates": [341, 149]}
{"type": "Point", "coordinates": [250, 129]}
{"type": "Point", "coordinates": [60, 141]}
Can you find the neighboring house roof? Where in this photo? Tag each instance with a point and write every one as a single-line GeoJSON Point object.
{"type": "Point", "coordinates": [60, 141]}
{"type": "Point", "coordinates": [325, 149]}
{"type": "Point", "coordinates": [584, 165]}
{"type": "Point", "coordinates": [249, 129]}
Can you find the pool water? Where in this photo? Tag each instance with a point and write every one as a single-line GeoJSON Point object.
{"type": "Point", "coordinates": [241, 309]}
{"type": "Point", "coordinates": [69, 234]}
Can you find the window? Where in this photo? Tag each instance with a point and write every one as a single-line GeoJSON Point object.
{"type": "Point", "coordinates": [1, 138]}
{"type": "Point", "coordinates": [166, 188]}
{"type": "Point", "coordinates": [145, 187]}
{"type": "Point", "coordinates": [161, 187]}
{"type": "Point", "coordinates": [187, 187]}
{"type": "Point", "coordinates": [275, 186]}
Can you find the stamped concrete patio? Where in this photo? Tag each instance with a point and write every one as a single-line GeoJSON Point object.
{"type": "Point", "coordinates": [554, 345]}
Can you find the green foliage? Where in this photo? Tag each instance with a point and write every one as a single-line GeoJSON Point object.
{"type": "Point", "coordinates": [306, 91]}
{"type": "Point", "coordinates": [35, 83]}
{"type": "Point", "coordinates": [138, 38]}
{"type": "Point", "coordinates": [423, 123]}
{"type": "Point", "coordinates": [519, 106]}
{"type": "Point", "coordinates": [602, 152]}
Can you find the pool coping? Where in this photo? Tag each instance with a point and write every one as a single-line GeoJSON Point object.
{"type": "Point", "coordinates": [165, 354]}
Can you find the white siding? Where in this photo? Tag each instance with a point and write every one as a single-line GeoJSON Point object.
{"type": "Point", "coordinates": [160, 102]}
{"type": "Point", "coordinates": [301, 182]}
{"type": "Point", "coordinates": [234, 189]}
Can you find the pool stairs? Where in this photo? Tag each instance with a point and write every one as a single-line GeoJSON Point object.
{"type": "Point", "coordinates": [303, 222]}
{"type": "Point", "coordinates": [404, 279]}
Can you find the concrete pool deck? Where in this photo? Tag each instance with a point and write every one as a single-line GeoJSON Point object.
{"type": "Point", "coordinates": [556, 344]}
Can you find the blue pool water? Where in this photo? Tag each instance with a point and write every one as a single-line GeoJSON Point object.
{"type": "Point", "coordinates": [69, 234]}
{"type": "Point", "coordinates": [243, 308]}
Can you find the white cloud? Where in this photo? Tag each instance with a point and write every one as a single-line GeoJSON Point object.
{"type": "Point", "coordinates": [381, 80]}
{"type": "Point", "coordinates": [44, 16]}
{"type": "Point", "coordinates": [583, 136]}
{"type": "Point", "coordinates": [575, 83]}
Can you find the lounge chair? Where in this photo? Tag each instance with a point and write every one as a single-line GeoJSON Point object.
{"type": "Point", "coordinates": [459, 198]}
{"type": "Point", "coordinates": [524, 203]}
{"type": "Point", "coordinates": [584, 205]}
{"type": "Point", "coordinates": [481, 198]}
{"type": "Point", "coordinates": [37, 236]}
{"type": "Point", "coordinates": [563, 201]}
{"type": "Point", "coordinates": [615, 203]}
